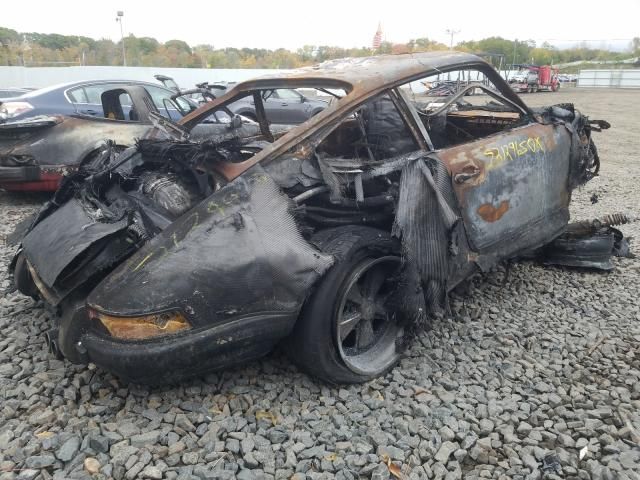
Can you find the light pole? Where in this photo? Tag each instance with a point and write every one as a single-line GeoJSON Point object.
{"type": "Point", "coordinates": [451, 33]}
{"type": "Point", "coordinates": [119, 20]}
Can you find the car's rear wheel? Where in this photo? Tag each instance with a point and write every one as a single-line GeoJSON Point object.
{"type": "Point", "coordinates": [348, 331]}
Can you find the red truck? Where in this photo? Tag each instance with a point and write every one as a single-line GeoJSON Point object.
{"type": "Point", "coordinates": [534, 78]}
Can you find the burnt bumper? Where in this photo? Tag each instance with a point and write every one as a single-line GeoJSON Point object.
{"type": "Point", "coordinates": [169, 359]}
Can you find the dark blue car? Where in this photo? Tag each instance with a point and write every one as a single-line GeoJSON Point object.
{"type": "Point", "coordinates": [50, 132]}
{"type": "Point", "coordinates": [84, 97]}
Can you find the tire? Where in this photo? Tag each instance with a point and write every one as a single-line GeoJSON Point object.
{"type": "Point", "coordinates": [337, 337]}
{"type": "Point", "coordinates": [22, 278]}
{"type": "Point", "coordinates": [71, 324]}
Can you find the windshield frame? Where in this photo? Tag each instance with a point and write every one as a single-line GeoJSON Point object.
{"type": "Point", "coordinates": [356, 94]}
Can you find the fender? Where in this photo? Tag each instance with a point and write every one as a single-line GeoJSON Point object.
{"type": "Point", "coordinates": [238, 253]}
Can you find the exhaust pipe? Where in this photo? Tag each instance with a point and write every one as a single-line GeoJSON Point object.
{"type": "Point", "coordinates": [51, 339]}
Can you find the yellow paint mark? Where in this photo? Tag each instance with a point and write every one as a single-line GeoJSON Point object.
{"type": "Point", "coordinates": [522, 148]}
{"type": "Point", "coordinates": [230, 198]}
{"type": "Point", "coordinates": [260, 178]}
{"type": "Point", "coordinates": [214, 207]}
{"type": "Point", "coordinates": [144, 260]}
{"type": "Point", "coordinates": [196, 221]}
{"type": "Point", "coordinates": [506, 153]}
{"type": "Point", "coordinates": [512, 150]}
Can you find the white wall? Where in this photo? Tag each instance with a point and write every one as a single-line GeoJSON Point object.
{"type": "Point", "coordinates": [186, 77]}
{"type": "Point", "coordinates": [619, 78]}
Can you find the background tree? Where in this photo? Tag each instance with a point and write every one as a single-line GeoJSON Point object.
{"type": "Point", "coordinates": [34, 48]}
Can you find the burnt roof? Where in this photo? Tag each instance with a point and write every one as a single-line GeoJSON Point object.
{"type": "Point", "coordinates": [381, 69]}
{"type": "Point", "coordinates": [360, 77]}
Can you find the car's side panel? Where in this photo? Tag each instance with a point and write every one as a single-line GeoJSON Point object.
{"type": "Point", "coordinates": [513, 187]}
{"type": "Point", "coordinates": [68, 142]}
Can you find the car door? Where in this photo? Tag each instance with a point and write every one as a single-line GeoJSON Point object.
{"type": "Point", "coordinates": [284, 106]}
{"type": "Point", "coordinates": [512, 187]}
{"type": "Point", "coordinates": [78, 97]}
{"type": "Point", "coordinates": [87, 99]}
{"type": "Point", "coordinates": [273, 108]}
{"type": "Point", "coordinates": [167, 106]}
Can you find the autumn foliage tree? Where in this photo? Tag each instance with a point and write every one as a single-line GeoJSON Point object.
{"type": "Point", "coordinates": [34, 48]}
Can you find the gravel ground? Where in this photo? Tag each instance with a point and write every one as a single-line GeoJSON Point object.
{"type": "Point", "coordinates": [536, 378]}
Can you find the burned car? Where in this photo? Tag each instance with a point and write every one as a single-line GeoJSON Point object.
{"type": "Point", "coordinates": [337, 238]}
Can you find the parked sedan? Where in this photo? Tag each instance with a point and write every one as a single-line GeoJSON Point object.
{"type": "Point", "coordinates": [339, 237]}
{"type": "Point", "coordinates": [38, 146]}
{"type": "Point", "coordinates": [82, 97]}
{"type": "Point", "coordinates": [283, 105]}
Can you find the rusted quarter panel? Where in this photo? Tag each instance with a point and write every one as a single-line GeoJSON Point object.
{"type": "Point", "coordinates": [513, 188]}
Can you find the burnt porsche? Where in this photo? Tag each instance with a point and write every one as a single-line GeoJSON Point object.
{"type": "Point", "coordinates": [337, 237]}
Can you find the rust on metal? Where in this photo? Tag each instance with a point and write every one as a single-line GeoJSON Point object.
{"type": "Point", "coordinates": [489, 213]}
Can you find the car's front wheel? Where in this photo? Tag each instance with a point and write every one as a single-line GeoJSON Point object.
{"type": "Point", "coordinates": [349, 328]}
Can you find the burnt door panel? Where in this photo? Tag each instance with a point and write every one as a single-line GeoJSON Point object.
{"type": "Point", "coordinates": [513, 187]}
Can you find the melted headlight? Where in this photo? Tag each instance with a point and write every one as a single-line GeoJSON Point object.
{"type": "Point", "coordinates": [143, 327]}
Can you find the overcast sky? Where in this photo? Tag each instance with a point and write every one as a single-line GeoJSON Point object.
{"type": "Point", "coordinates": [291, 24]}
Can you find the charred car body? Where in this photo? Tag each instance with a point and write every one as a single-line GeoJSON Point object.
{"type": "Point", "coordinates": [338, 236]}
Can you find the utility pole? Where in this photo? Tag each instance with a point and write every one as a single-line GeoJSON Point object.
{"type": "Point", "coordinates": [513, 62]}
{"type": "Point", "coordinates": [119, 20]}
